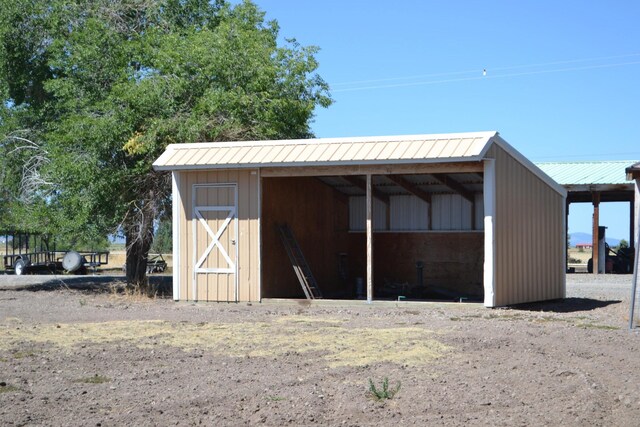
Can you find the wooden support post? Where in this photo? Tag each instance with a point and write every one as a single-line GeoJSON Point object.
{"type": "Point", "coordinates": [595, 250]}
{"type": "Point", "coordinates": [369, 240]}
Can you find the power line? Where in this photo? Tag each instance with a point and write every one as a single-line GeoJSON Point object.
{"type": "Point", "coordinates": [483, 76]}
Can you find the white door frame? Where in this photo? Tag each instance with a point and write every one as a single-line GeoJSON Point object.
{"type": "Point", "coordinates": [198, 218]}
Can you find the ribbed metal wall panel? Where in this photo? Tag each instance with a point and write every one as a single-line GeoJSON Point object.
{"type": "Point", "coordinates": [409, 213]}
{"type": "Point", "coordinates": [451, 212]}
{"type": "Point", "coordinates": [529, 235]}
{"type": "Point", "coordinates": [358, 214]}
{"type": "Point", "coordinates": [479, 211]}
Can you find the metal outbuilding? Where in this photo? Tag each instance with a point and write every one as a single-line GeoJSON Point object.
{"type": "Point", "coordinates": [596, 182]}
{"type": "Point", "coordinates": [462, 216]}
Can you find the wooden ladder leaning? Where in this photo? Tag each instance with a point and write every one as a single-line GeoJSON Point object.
{"type": "Point", "coordinates": [299, 263]}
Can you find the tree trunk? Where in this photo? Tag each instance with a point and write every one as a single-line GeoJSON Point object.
{"type": "Point", "coordinates": [138, 227]}
{"type": "Point", "coordinates": [139, 238]}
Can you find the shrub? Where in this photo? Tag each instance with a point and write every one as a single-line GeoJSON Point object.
{"type": "Point", "coordinates": [384, 393]}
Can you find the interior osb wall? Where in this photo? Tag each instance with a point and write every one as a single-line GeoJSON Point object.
{"type": "Point", "coordinates": [318, 216]}
{"type": "Point", "coordinates": [453, 263]}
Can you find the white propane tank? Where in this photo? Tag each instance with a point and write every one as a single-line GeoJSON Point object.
{"type": "Point", "coordinates": [72, 261]}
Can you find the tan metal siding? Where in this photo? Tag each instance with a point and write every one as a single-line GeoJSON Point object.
{"type": "Point", "coordinates": [529, 235]}
{"type": "Point", "coordinates": [220, 287]}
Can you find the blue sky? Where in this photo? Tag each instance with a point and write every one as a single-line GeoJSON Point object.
{"type": "Point", "coordinates": [561, 76]}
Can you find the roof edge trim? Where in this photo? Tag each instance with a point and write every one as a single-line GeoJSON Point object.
{"type": "Point", "coordinates": [159, 167]}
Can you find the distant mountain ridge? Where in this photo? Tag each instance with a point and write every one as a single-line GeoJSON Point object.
{"type": "Point", "coordinates": [579, 237]}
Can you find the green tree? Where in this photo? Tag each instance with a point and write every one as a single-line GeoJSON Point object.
{"type": "Point", "coordinates": [162, 241]}
{"type": "Point", "coordinates": [93, 91]}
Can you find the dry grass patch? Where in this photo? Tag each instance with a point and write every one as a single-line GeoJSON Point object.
{"type": "Point", "coordinates": [7, 388]}
{"type": "Point", "coordinates": [336, 344]}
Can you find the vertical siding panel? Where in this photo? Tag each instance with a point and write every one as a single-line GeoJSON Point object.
{"type": "Point", "coordinates": [190, 254]}
{"type": "Point", "coordinates": [520, 186]}
{"type": "Point", "coordinates": [227, 280]}
{"type": "Point", "coordinates": [455, 206]}
{"type": "Point", "coordinates": [509, 285]}
{"type": "Point", "coordinates": [536, 268]}
{"type": "Point", "coordinates": [558, 257]}
{"type": "Point", "coordinates": [498, 228]}
{"type": "Point", "coordinates": [529, 206]}
{"type": "Point", "coordinates": [514, 269]}
{"type": "Point", "coordinates": [409, 213]}
{"type": "Point", "coordinates": [214, 197]}
{"type": "Point", "coordinates": [218, 282]}
{"type": "Point", "coordinates": [184, 230]}
{"type": "Point", "coordinates": [479, 211]}
{"type": "Point", "coordinates": [232, 295]}
{"type": "Point", "coordinates": [502, 221]}
{"type": "Point", "coordinates": [514, 281]}
{"type": "Point", "coordinates": [548, 253]}
{"type": "Point", "coordinates": [213, 280]}
{"type": "Point", "coordinates": [243, 237]}
{"type": "Point", "coordinates": [528, 223]}
{"type": "Point", "coordinates": [435, 213]}
{"type": "Point", "coordinates": [546, 261]}
{"type": "Point", "coordinates": [254, 258]}
{"type": "Point", "coordinates": [201, 200]}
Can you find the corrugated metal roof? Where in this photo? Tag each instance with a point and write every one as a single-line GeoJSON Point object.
{"type": "Point", "coordinates": [326, 151]}
{"type": "Point", "coordinates": [587, 173]}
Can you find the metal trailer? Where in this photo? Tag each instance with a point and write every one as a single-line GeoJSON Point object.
{"type": "Point", "coordinates": [155, 264]}
{"type": "Point", "coordinates": [36, 253]}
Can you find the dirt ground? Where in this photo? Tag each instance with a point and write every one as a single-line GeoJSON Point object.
{"type": "Point", "coordinates": [78, 354]}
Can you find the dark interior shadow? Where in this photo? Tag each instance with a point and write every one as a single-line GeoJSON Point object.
{"type": "Point", "coordinates": [567, 305]}
{"type": "Point", "coordinates": [162, 286]}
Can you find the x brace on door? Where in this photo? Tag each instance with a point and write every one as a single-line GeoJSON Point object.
{"type": "Point", "coordinates": [215, 238]}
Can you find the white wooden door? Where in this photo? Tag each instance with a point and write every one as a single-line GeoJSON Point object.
{"type": "Point", "coordinates": [215, 249]}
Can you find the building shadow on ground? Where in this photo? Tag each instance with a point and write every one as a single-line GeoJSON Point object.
{"type": "Point", "coordinates": [161, 286]}
{"type": "Point", "coordinates": [567, 305]}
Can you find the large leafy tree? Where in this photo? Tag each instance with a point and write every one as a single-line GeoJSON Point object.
{"type": "Point", "coordinates": [94, 90]}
